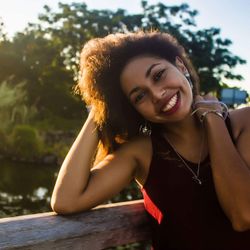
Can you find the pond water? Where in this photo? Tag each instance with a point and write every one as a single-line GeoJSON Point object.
{"type": "Point", "coordinates": [25, 188]}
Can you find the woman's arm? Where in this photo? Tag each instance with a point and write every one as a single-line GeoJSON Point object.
{"type": "Point", "coordinates": [77, 187]}
{"type": "Point", "coordinates": [231, 168]}
{"type": "Point", "coordinates": [75, 170]}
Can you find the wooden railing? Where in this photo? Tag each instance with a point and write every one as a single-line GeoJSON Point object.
{"type": "Point", "coordinates": [105, 226]}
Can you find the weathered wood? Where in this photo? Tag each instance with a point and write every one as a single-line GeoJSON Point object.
{"type": "Point", "coordinates": [105, 226]}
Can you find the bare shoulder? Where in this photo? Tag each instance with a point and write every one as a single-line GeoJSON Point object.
{"type": "Point", "coordinates": [141, 149]}
{"type": "Point", "coordinates": [140, 145]}
{"type": "Point", "coordinates": [240, 120]}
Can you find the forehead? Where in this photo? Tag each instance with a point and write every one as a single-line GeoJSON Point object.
{"type": "Point", "coordinates": [134, 71]}
{"type": "Point", "coordinates": [140, 63]}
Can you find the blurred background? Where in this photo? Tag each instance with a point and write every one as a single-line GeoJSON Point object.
{"type": "Point", "coordinates": [40, 43]}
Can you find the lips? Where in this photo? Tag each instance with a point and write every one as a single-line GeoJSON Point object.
{"type": "Point", "coordinates": [170, 105]}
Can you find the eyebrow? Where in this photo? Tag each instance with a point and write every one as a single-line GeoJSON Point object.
{"type": "Point", "coordinates": [146, 75]}
{"type": "Point", "coordinates": [150, 69]}
{"type": "Point", "coordinates": [136, 89]}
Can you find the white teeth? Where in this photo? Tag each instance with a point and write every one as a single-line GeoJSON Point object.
{"type": "Point", "coordinates": [170, 104]}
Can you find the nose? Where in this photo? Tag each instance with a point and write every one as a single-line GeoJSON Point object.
{"type": "Point", "coordinates": [157, 94]}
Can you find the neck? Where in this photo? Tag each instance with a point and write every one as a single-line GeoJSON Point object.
{"type": "Point", "coordinates": [185, 130]}
{"type": "Point", "coordinates": [188, 138]}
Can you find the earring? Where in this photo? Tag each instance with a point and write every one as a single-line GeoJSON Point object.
{"type": "Point", "coordinates": [145, 129]}
{"type": "Point", "coordinates": [187, 75]}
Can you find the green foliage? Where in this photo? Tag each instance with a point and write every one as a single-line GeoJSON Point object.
{"type": "Point", "coordinates": [4, 143]}
{"type": "Point", "coordinates": [13, 109]}
{"type": "Point", "coordinates": [26, 143]}
{"type": "Point", "coordinates": [37, 61]}
{"type": "Point", "coordinates": [55, 123]}
{"type": "Point", "coordinates": [11, 96]}
{"type": "Point", "coordinates": [132, 192]}
{"type": "Point", "coordinates": [2, 31]}
{"type": "Point", "coordinates": [218, 61]}
{"type": "Point", "coordinates": [60, 150]}
{"type": "Point", "coordinates": [46, 54]}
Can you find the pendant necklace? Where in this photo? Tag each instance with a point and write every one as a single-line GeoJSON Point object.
{"type": "Point", "coordinates": [195, 176]}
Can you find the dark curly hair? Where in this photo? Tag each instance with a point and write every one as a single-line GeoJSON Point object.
{"type": "Point", "coordinates": [102, 61]}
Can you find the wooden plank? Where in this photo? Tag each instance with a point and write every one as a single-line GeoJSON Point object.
{"type": "Point", "coordinates": [105, 226]}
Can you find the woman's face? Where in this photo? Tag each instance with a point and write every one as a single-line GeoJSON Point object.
{"type": "Point", "coordinates": [157, 89]}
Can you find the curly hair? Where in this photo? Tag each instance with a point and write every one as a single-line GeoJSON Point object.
{"type": "Point", "coordinates": [101, 64]}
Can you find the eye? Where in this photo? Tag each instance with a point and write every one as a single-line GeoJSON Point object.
{"type": "Point", "coordinates": [158, 75]}
{"type": "Point", "coordinates": [139, 97]}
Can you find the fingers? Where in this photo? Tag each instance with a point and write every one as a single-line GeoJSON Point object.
{"type": "Point", "coordinates": [198, 98]}
{"type": "Point", "coordinates": [210, 96]}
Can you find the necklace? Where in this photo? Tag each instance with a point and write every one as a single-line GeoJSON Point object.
{"type": "Point", "coordinates": [195, 176]}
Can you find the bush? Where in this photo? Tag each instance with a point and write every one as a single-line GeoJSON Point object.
{"type": "Point", "coordinates": [4, 143]}
{"type": "Point", "coordinates": [56, 123]}
{"type": "Point", "coordinates": [26, 143]}
{"type": "Point", "coordinates": [60, 150]}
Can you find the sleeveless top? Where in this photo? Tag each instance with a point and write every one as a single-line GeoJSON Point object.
{"type": "Point", "coordinates": [182, 213]}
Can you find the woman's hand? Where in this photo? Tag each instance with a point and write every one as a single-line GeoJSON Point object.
{"type": "Point", "coordinates": [208, 104]}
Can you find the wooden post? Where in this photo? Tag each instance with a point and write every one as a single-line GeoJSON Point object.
{"type": "Point", "coordinates": [105, 226]}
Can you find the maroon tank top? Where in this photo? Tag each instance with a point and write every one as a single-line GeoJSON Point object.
{"type": "Point", "coordinates": [182, 213]}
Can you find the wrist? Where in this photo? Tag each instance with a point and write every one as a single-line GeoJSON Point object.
{"type": "Point", "coordinates": [213, 120]}
{"type": "Point", "coordinates": [209, 113]}
{"type": "Point", "coordinates": [203, 110]}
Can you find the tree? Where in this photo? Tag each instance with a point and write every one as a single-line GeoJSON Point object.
{"type": "Point", "coordinates": [46, 54]}
{"type": "Point", "coordinates": [36, 60]}
{"type": "Point", "coordinates": [2, 31]}
{"type": "Point", "coordinates": [74, 24]}
{"type": "Point", "coordinates": [12, 108]}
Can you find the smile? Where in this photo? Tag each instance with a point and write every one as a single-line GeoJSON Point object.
{"type": "Point", "coordinates": [172, 105]}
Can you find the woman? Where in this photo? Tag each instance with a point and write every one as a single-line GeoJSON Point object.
{"type": "Point", "coordinates": [188, 155]}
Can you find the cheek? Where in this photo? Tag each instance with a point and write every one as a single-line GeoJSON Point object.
{"type": "Point", "coordinates": [186, 87]}
{"type": "Point", "coordinates": [146, 110]}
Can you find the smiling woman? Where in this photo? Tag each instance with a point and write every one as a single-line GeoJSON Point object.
{"type": "Point", "coordinates": [157, 94]}
{"type": "Point", "coordinates": [111, 55]}
{"type": "Point", "coordinates": [149, 123]}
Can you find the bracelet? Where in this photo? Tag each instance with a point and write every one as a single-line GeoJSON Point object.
{"type": "Point", "coordinates": [202, 117]}
{"type": "Point", "coordinates": [223, 106]}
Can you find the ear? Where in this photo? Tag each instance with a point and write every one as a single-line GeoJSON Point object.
{"type": "Point", "coordinates": [180, 65]}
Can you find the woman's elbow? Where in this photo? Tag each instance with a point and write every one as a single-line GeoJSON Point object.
{"type": "Point", "coordinates": [60, 207]}
{"type": "Point", "coordinates": [67, 207]}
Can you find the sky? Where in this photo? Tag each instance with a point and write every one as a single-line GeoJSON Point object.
{"type": "Point", "coordinates": [231, 16]}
